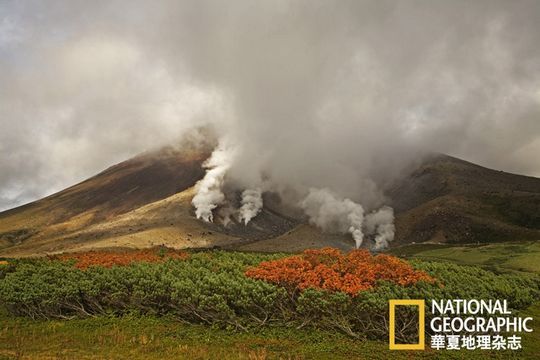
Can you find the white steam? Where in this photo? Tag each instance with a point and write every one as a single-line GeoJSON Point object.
{"type": "Point", "coordinates": [252, 204]}
{"type": "Point", "coordinates": [381, 223]}
{"type": "Point", "coordinates": [323, 208]}
{"type": "Point", "coordinates": [209, 189]}
{"type": "Point", "coordinates": [332, 214]}
{"type": "Point", "coordinates": [226, 213]}
{"type": "Point", "coordinates": [210, 193]}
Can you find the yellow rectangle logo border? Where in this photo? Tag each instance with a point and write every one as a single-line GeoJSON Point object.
{"type": "Point", "coordinates": [421, 324]}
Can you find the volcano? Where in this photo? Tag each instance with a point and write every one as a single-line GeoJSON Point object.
{"type": "Point", "coordinates": [146, 201]}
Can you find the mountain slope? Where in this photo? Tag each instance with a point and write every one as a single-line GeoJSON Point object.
{"type": "Point", "coordinates": [146, 201]}
{"type": "Point", "coordinates": [118, 190]}
{"type": "Point", "coordinates": [451, 200]}
{"type": "Point", "coordinates": [141, 202]}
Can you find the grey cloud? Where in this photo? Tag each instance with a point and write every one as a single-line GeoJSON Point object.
{"type": "Point", "coordinates": [339, 94]}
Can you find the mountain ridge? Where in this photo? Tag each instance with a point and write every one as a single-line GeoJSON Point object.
{"type": "Point", "coordinates": [146, 201]}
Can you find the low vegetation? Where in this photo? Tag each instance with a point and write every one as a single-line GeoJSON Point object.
{"type": "Point", "coordinates": [108, 258]}
{"type": "Point", "coordinates": [212, 288]}
{"type": "Point", "coordinates": [330, 269]}
{"type": "Point", "coordinates": [149, 337]}
{"type": "Point", "coordinates": [517, 256]}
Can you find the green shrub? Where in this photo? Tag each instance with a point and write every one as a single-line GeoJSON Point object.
{"type": "Point", "coordinates": [211, 288]}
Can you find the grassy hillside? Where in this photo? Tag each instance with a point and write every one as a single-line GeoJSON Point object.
{"type": "Point", "coordinates": [515, 256]}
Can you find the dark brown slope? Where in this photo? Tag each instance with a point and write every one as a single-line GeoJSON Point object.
{"type": "Point", "coordinates": [451, 200]}
{"type": "Point", "coordinates": [131, 184]}
{"type": "Point", "coordinates": [119, 189]}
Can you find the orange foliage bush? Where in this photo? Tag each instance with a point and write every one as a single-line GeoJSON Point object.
{"type": "Point", "coordinates": [329, 269]}
{"type": "Point", "coordinates": [108, 258]}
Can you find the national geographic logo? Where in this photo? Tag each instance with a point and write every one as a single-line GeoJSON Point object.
{"type": "Point", "coordinates": [421, 324]}
{"type": "Point", "coordinates": [458, 324]}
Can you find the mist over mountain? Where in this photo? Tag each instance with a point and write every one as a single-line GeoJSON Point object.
{"type": "Point", "coordinates": [147, 201]}
{"type": "Point", "coordinates": [309, 94]}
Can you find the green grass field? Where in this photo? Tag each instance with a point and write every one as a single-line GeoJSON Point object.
{"type": "Point", "coordinates": [519, 256]}
{"type": "Point", "coordinates": [153, 338]}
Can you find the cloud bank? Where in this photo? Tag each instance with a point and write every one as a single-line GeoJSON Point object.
{"type": "Point", "coordinates": [336, 95]}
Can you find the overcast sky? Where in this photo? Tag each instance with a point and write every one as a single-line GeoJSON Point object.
{"type": "Point", "coordinates": [315, 92]}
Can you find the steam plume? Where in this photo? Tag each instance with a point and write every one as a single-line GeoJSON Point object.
{"type": "Point", "coordinates": [252, 204]}
{"type": "Point", "coordinates": [226, 213]}
{"type": "Point", "coordinates": [381, 223]}
{"type": "Point", "coordinates": [333, 214]}
{"type": "Point", "coordinates": [328, 212]}
{"type": "Point", "coordinates": [209, 189]}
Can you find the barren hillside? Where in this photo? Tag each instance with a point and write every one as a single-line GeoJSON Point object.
{"type": "Point", "coordinates": [146, 201]}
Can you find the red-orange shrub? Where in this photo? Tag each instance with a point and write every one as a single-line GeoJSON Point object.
{"type": "Point", "coordinates": [108, 258]}
{"type": "Point", "coordinates": [329, 269]}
